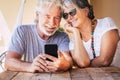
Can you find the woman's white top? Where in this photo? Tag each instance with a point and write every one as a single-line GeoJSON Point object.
{"type": "Point", "coordinates": [103, 25]}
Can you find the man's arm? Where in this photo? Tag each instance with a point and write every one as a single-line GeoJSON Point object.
{"type": "Point", "coordinates": [13, 62]}
{"type": "Point", "coordinates": [67, 57]}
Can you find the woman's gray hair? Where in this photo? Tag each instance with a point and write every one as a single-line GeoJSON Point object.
{"type": "Point", "coordinates": [81, 4]}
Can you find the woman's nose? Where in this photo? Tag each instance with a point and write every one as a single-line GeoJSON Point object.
{"type": "Point", "coordinates": [70, 17]}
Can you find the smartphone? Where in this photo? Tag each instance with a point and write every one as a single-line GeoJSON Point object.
{"type": "Point", "coordinates": [51, 49]}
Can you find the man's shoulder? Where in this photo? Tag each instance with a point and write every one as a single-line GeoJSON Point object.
{"type": "Point", "coordinates": [25, 27]}
{"type": "Point", "coordinates": [62, 33]}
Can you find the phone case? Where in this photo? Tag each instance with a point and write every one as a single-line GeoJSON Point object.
{"type": "Point", "coordinates": [51, 49]}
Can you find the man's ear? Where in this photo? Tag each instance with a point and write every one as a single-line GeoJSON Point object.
{"type": "Point", "coordinates": [36, 17]}
{"type": "Point", "coordinates": [37, 14]}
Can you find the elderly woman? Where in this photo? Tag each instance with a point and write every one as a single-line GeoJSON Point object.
{"type": "Point", "coordinates": [94, 41]}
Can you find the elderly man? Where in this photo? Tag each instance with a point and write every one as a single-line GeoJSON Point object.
{"type": "Point", "coordinates": [29, 40]}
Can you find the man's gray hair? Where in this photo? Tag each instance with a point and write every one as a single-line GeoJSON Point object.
{"type": "Point", "coordinates": [48, 3]}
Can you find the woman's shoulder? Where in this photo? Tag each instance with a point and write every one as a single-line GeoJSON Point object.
{"type": "Point", "coordinates": [105, 20]}
{"type": "Point", "coordinates": [107, 23]}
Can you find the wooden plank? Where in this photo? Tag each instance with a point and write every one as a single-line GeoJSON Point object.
{"type": "Point", "coordinates": [7, 75]}
{"type": "Point", "coordinates": [32, 76]}
{"type": "Point", "coordinates": [113, 71]}
{"type": "Point", "coordinates": [60, 76]}
{"type": "Point", "coordinates": [41, 76]}
{"type": "Point", "coordinates": [80, 74]}
{"type": "Point", "coordinates": [99, 74]}
{"type": "Point", "coordinates": [103, 73]}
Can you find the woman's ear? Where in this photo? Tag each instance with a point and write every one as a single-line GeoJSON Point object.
{"type": "Point", "coordinates": [86, 10]}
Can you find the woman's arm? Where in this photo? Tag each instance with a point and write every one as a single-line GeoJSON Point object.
{"type": "Point", "coordinates": [79, 53]}
{"type": "Point", "coordinates": [107, 49]}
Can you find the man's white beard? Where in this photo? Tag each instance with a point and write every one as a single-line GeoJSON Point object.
{"type": "Point", "coordinates": [46, 33]}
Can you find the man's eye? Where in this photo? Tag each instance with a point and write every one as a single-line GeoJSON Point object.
{"type": "Point", "coordinates": [47, 16]}
{"type": "Point", "coordinates": [57, 17]}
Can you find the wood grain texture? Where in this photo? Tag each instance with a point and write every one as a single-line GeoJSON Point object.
{"type": "Point", "coordinates": [102, 73]}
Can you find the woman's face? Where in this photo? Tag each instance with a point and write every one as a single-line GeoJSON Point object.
{"type": "Point", "coordinates": [75, 16]}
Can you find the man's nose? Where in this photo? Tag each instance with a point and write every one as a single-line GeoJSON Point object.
{"type": "Point", "coordinates": [52, 21]}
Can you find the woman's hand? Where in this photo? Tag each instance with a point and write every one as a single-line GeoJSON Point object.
{"type": "Point", "coordinates": [70, 29]}
{"type": "Point", "coordinates": [57, 64]}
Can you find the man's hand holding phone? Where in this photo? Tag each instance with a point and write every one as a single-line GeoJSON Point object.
{"type": "Point", "coordinates": [55, 59]}
{"type": "Point", "coordinates": [57, 64]}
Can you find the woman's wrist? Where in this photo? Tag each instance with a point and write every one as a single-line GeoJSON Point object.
{"type": "Point", "coordinates": [75, 31]}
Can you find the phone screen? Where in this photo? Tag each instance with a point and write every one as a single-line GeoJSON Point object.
{"type": "Point", "coordinates": [51, 49]}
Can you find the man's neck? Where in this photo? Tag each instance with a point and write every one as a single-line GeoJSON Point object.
{"type": "Point", "coordinates": [43, 36]}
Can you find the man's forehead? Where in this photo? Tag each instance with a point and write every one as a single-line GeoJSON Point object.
{"type": "Point", "coordinates": [51, 10]}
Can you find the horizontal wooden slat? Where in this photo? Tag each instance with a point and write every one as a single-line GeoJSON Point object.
{"type": "Point", "coordinates": [80, 74]}
{"type": "Point", "coordinates": [60, 76]}
{"type": "Point", "coordinates": [7, 75]}
{"type": "Point", "coordinates": [32, 76]}
{"type": "Point", "coordinates": [99, 74]}
{"type": "Point", "coordinates": [113, 71]}
{"type": "Point", "coordinates": [102, 73]}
